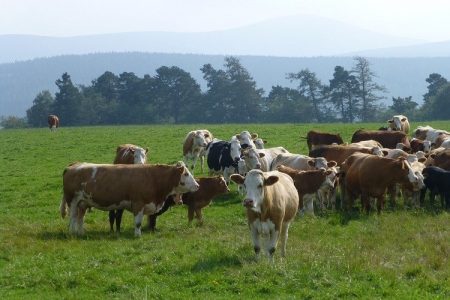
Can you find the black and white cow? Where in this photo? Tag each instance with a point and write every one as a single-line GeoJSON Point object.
{"type": "Point", "coordinates": [437, 180]}
{"type": "Point", "coordinates": [223, 157]}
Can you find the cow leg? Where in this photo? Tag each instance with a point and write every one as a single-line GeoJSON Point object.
{"type": "Point", "coordinates": [119, 214]}
{"type": "Point", "coordinates": [198, 215]}
{"type": "Point", "coordinates": [80, 217]}
{"type": "Point", "coordinates": [73, 211]}
{"type": "Point", "coordinates": [272, 243]}
{"type": "Point", "coordinates": [284, 237]}
{"type": "Point", "coordinates": [190, 214]}
{"type": "Point", "coordinates": [194, 162]}
{"type": "Point", "coordinates": [254, 233]}
{"type": "Point", "coordinates": [152, 222]}
{"type": "Point", "coordinates": [392, 191]}
{"type": "Point", "coordinates": [112, 218]}
{"type": "Point", "coordinates": [365, 202]}
{"type": "Point", "coordinates": [422, 196]}
{"type": "Point", "coordinates": [138, 222]}
{"type": "Point", "coordinates": [202, 162]}
{"type": "Point", "coordinates": [309, 204]}
{"type": "Point", "coordinates": [380, 203]}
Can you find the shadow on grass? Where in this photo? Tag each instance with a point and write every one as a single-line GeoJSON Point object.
{"type": "Point", "coordinates": [95, 235]}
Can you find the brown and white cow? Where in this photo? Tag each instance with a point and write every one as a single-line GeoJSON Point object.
{"type": "Point", "coordinates": [53, 122]}
{"type": "Point", "coordinates": [316, 139]}
{"type": "Point", "coordinates": [399, 123]}
{"type": "Point", "coordinates": [369, 176]}
{"type": "Point", "coordinates": [439, 158]}
{"type": "Point", "coordinates": [340, 153]}
{"type": "Point", "coordinates": [141, 189]}
{"type": "Point", "coordinates": [416, 145]}
{"type": "Point", "coordinates": [308, 183]}
{"type": "Point", "coordinates": [126, 154]}
{"type": "Point", "coordinates": [194, 146]}
{"type": "Point", "coordinates": [388, 139]}
{"type": "Point", "coordinates": [261, 158]}
{"type": "Point", "coordinates": [428, 133]}
{"type": "Point", "coordinates": [301, 162]}
{"type": "Point", "coordinates": [271, 202]}
{"type": "Point", "coordinates": [210, 187]}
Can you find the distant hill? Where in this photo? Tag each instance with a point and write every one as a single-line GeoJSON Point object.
{"type": "Point", "coordinates": [21, 81]}
{"type": "Point", "coordinates": [296, 36]}
{"type": "Point", "coordinates": [439, 49]}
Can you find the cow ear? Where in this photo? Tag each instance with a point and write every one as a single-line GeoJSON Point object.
{"type": "Point", "coordinates": [180, 169]}
{"type": "Point", "coordinates": [238, 136]}
{"type": "Point", "coordinates": [270, 180]}
{"type": "Point", "coordinates": [331, 164]}
{"type": "Point", "coordinates": [254, 135]}
{"type": "Point", "coordinates": [146, 150]}
{"type": "Point", "coordinates": [132, 150]}
{"type": "Point", "coordinates": [390, 121]}
{"type": "Point", "coordinates": [261, 155]}
{"type": "Point", "coordinates": [385, 153]}
{"type": "Point", "coordinates": [403, 120]}
{"type": "Point", "coordinates": [328, 172]}
{"type": "Point", "coordinates": [432, 155]}
{"type": "Point", "coordinates": [311, 162]}
{"type": "Point", "coordinates": [206, 135]}
{"type": "Point", "coordinates": [422, 159]}
{"type": "Point", "coordinates": [239, 179]}
{"type": "Point", "coordinates": [264, 141]}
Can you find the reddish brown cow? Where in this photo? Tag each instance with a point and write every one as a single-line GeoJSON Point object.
{"type": "Point", "coordinates": [142, 189]}
{"type": "Point", "coordinates": [307, 184]}
{"type": "Point", "coordinates": [418, 145]}
{"type": "Point", "coordinates": [338, 153]}
{"type": "Point", "coordinates": [316, 138]}
{"type": "Point", "coordinates": [370, 176]}
{"type": "Point", "coordinates": [389, 139]}
{"type": "Point", "coordinates": [439, 159]}
{"type": "Point", "coordinates": [53, 122]}
{"type": "Point", "coordinates": [210, 187]}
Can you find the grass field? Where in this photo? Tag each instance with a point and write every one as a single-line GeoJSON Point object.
{"type": "Point", "coordinates": [401, 254]}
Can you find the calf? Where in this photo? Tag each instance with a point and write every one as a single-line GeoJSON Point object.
{"type": "Point", "coordinates": [126, 154]}
{"type": "Point", "coordinates": [271, 203]}
{"type": "Point", "coordinates": [210, 187]}
{"type": "Point", "coordinates": [308, 183]}
{"type": "Point", "coordinates": [315, 139]}
{"type": "Point", "coordinates": [437, 181]}
{"type": "Point", "coordinates": [194, 146]}
{"type": "Point", "coordinates": [141, 189]}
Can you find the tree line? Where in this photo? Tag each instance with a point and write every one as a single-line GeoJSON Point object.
{"type": "Point", "coordinates": [173, 96]}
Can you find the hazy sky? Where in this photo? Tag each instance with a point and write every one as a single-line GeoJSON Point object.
{"type": "Point", "coordinates": [428, 20]}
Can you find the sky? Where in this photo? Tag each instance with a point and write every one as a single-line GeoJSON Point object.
{"type": "Point", "coordinates": [419, 19]}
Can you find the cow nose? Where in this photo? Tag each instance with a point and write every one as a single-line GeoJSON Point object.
{"type": "Point", "coordinates": [248, 203]}
{"type": "Point", "coordinates": [244, 146]}
{"type": "Point", "coordinates": [258, 166]}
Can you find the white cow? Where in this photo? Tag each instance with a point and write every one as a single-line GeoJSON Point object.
{"type": "Point", "coordinates": [246, 139]}
{"type": "Point", "coordinates": [261, 158]}
{"type": "Point", "coordinates": [271, 202]}
{"type": "Point", "coordinates": [301, 162]}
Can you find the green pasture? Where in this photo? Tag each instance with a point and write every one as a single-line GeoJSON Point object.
{"type": "Point", "coordinates": [400, 254]}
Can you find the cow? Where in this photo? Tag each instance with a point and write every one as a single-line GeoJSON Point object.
{"type": "Point", "coordinates": [416, 145]}
{"type": "Point", "coordinates": [301, 162]}
{"type": "Point", "coordinates": [141, 189]}
{"type": "Point", "coordinates": [271, 204]}
{"type": "Point", "coordinates": [308, 183]}
{"type": "Point", "coordinates": [364, 144]}
{"type": "Point", "coordinates": [428, 133]}
{"type": "Point", "coordinates": [53, 122]}
{"type": "Point", "coordinates": [246, 139]}
{"type": "Point", "coordinates": [439, 159]}
{"type": "Point", "coordinates": [340, 153]}
{"type": "Point", "coordinates": [315, 139]}
{"type": "Point", "coordinates": [399, 123]}
{"type": "Point", "coordinates": [410, 192]}
{"type": "Point", "coordinates": [222, 157]}
{"type": "Point", "coordinates": [370, 176]}
{"type": "Point", "coordinates": [194, 146]}
{"type": "Point", "coordinates": [259, 143]}
{"type": "Point", "coordinates": [443, 140]}
{"type": "Point", "coordinates": [126, 154]}
{"type": "Point", "coordinates": [261, 158]}
{"type": "Point", "coordinates": [437, 180]}
{"type": "Point", "coordinates": [210, 187]}
{"type": "Point", "coordinates": [388, 139]}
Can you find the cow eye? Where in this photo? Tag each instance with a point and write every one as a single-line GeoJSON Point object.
{"type": "Point", "coordinates": [260, 186]}
{"type": "Point", "coordinates": [186, 174]}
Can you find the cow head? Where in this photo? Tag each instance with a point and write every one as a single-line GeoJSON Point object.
{"type": "Point", "coordinates": [330, 177]}
{"type": "Point", "coordinates": [140, 155]}
{"type": "Point", "coordinates": [397, 121]}
{"type": "Point", "coordinates": [254, 184]}
{"type": "Point", "coordinates": [187, 182]}
{"type": "Point", "coordinates": [318, 163]}
{"type": "Point", "coordinates": [200, 139]}
{"type": "Point", "coordinates": [414, 177]}
{"type": "Point", "coordinates": [252, 158]}
{"type": "Point", "coordinates": [377, 151]}
{"type": "Point", "coordinates": [235, 149]}
{"type": "Point", "coordinates": [245, 139]}
{"type": "Point", "coordinates": [259, 143]}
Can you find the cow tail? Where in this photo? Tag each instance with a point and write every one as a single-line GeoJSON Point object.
{"type": "Point", "coordinates": [63, 207]}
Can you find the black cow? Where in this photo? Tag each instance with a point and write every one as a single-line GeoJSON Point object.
{"type": "Point", "coordinates": [222, 157]}
{"type": "Point", "coordinates": [437, 180]}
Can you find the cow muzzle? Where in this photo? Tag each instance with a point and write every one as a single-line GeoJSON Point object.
{"type": "Point", "coordinates": [248, 203]}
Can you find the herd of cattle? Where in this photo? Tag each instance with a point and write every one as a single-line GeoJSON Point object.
{"type": "Point", "coordinates": [277, 184]}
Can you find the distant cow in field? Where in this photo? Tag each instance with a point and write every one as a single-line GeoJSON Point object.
{"type": "Point", "coordinates": [210, 187]}
{"type": "Point", "coordinates": [126, 154]}
{"type": "Point", "coordinates": [194, 146]}
{"type": "Point", "coordinates": [271, 203]}
{"type": "Point", "coordinates": [53, 122]}
{"type": "Point", "coordinates": [399, 123]}
{"type": "Point", "coordinates": [141, 189]}
{"type": "Point", "coordinates": [316, 139]}
{"type": "Point", "coordinates": [389, 139]}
